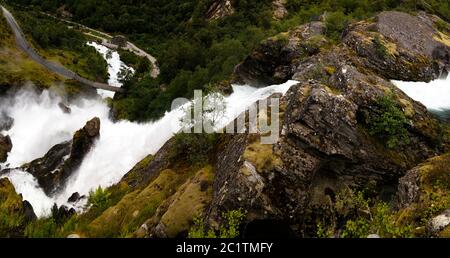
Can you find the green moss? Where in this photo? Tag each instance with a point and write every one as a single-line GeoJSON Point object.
{"type": "Point", "coordinates": [189, 202]}
{"type": "Point", "coordinates": [434, 196]}
{"type": "Point", "coordinates": [262, 156]}
{"type": "Point", "coordinates": [136, 207]}
{"type": "Point", "coordinates": [12, 221]}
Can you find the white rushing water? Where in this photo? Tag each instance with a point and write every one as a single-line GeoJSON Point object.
{"type": "Point", "coordinates": [39, 124]}
{"type": "Point", "coordinates": [116, 68]}
{"type": "Point", "coordinates": [435, 95]}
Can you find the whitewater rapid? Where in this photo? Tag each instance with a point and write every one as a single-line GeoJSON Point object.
{"type": "Point", "coordinates": [435, 95]}
{"type": "Point", "coordinates": [116, 68]}
{"type": "Point", "coordinates": [39, 124]}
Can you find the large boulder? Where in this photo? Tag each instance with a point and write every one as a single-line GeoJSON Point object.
{"type": "Point", "coordinates": [401, 46]}
{"type": "Point", "coordinates": [274, 61]}
{"type": "Point", "coordinates": [63, 159]}
{"type": "Point", "coordinates": [5, 147]}
{"type": "Point", "coordinates": [422, 197]}
{"type": "Point", "coordinates": [328, 143]}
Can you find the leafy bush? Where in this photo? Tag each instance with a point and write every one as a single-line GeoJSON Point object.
{"type": "Point", "coordinates": [99, 199]}
{"type": "Point", "coordinates": [42, 228]}
{"type": "Point", "coordinates": [230, 229]}
{"type": "Point", "coordinates": [380, 48]}
{"type": "Point", "coordinates": [50, 228]}
{"type": "Point", "coordinates": [335, 23]}
{"type": "Point", "coordinates": [193, 147]}
{"type": "Point", "coordinates": [380, 221]}
{"type": "Point", "coordinates": [389, 122]}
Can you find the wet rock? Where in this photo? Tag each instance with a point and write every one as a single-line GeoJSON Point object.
{"type": "Point", "coordinates": [74, 197]}
{"type": "Point", "coordinates": [6, 122]}
{"type": "Point", "coordinates": [62, 214]}
{"type": "Point", "coordinates": [28, 211]}
{"type": "Point", "coordinates": [92, 127]}
{"type": "Point", "coordinates": [63, 159]}
{"type": "Point", "coordinates": [5, 147]}
{"type": "Point", "coordinates": [65, 109]}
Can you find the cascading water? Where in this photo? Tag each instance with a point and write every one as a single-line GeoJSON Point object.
{"type": "Point", "coordinates": [39, 124]}
{"type": "Point", "coordinates": [435, 95]}
{"type": "Point", "coordinates": [116, 68]}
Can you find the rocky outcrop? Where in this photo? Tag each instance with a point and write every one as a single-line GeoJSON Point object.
{"type": "Point", "coordinates": [394, 45]}
{"type": "Point", "coordinates": [63, 159]}
{"type": "Point", "coordinates": [327, 143]}
{"type": "Point", "coordinates": [401, 46]}
{"type": "Point", "coordinates": [5, 147]}
{"type": "Point", "coordinates": [6, 122]}
{"type": "Point", "coordinates": [324, 149]}
{"type": "Point", "coordinates": [274, 60]}
{"type": "Point", "coordinates": [220, 9]}
{"type": "Point", "coordinates": [279, 9]}
{"type": "Point", "coordinates": [439, 222]}
{"type": "Point", "coordinates": [422, 197]}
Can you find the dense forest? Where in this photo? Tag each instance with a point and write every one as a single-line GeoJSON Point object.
{"type": "Point", "coordinates": [197, 53]}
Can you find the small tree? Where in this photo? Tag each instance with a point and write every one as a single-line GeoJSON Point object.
{"type": "Point", "coordinates": [389, 122]}
{"type": "Point", "coordinates": [380, 48]}
{"type": "Point", "coordinates": [99, 199]}
{"type": "Point", "coordinates": [204, 112]}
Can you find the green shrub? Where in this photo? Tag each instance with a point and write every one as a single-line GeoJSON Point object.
{"type": "Point", "coordinates": [50, 228]}
{"type": "Point", "coordinates": [380, 48]}
{"type": "Point", "coordinates": [379, 221]}
{"type": "Point", "coordinates": [42, 228]}
{"type": "Point", "coordinates": [335, 23]}
{"type": "Point", "coordinates": [11, 223]}
{"type": "Point", "coordinates": [442, 26]}
{"type": "Point", "coordinates": [388, 122]}
{"type": "Point", "coordinates": [193, 147]}
{"type": "Point", "coordinates": [99, 199]}
{"type": "Point", "coordinates": [230, 229]}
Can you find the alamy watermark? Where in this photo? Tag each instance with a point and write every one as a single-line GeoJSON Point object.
{"type": "Point", "coordinates": [212, 114]}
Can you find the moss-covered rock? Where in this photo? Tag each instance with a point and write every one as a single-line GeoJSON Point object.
{"type": "Point", "coordinates": [187, 203]}
{"type": "Point", "coordinates": [15, 213]}
{"type": "Point", "coordinates": [423, 195]}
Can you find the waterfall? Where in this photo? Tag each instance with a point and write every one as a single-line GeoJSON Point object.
{"type": "Point", "coordinates": [116, 68]}
{"type": "Point", "coordinates": [40, 124]}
